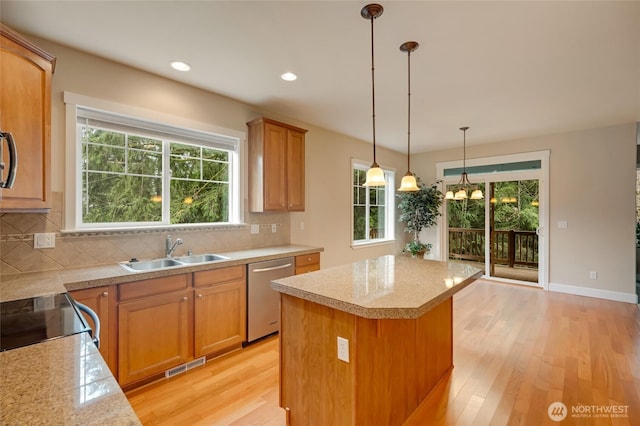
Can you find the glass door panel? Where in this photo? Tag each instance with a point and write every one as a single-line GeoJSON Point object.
{"type": "Point", "coordinates": [466, 223]}
{"type": "Point", "coordinates": [513, 229]}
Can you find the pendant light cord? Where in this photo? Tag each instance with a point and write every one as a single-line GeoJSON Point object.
{"type": "Point", "coordinates": [373, 95]}
{"type": "Point", "coordinates": [408, 110]}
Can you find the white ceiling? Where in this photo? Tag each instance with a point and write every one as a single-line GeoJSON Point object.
{"type": "Point", "coordinates": [508, 70]}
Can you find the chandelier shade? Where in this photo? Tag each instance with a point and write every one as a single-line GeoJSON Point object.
{"type": "Point", "coordinates": [464, 182]}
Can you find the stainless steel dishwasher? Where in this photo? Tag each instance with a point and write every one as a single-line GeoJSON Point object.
{"type": "Point", "coordinates": [263, 303]}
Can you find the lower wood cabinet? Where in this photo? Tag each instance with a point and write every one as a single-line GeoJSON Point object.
{"type": "Point", "coordinates": [155, 329]}
{"type": "Point", "coordinates": [219, 310]}
{"type": "Point", "coordinates": [103, 302]}
{"type": "Point", "coordinates": [307, 263]}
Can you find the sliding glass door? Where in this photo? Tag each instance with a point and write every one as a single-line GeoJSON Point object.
{"type": "Point", "coordinates": [502, 233]}
{"type": "Point", "coordinates": [513, 229]}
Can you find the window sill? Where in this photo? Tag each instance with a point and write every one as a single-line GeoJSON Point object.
{"type": "Point", "coordinates": [368, 244]}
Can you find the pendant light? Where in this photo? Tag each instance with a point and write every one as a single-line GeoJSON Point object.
{"type": "Point", "coordinates": [409, 183]}
{"type": "Point", "coordinates": [375, 175]}
{"type": "Point", "coordinates": [461, 194]}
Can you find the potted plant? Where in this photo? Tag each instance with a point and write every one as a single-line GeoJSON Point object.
{"type": "Point", "coordinates": [419, 210]}
{"type": "Point", "coordinates": [417, 248]}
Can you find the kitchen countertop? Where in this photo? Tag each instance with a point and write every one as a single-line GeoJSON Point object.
{"type": "Point", "coordinates": [61, 381]}
{"type": "Point", "coordinates": [22, 286]}
{"type": "Point", "coordinates": [65, 380]}
{"type": "Point", "coordinates": [384, 287]}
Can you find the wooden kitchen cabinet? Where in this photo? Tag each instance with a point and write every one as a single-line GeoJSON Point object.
{"type": "Point", "coordinates": [103, 302]}
{"type": "Point", "coordinates": [155, 330]}
{"type": "Point", "coordinates": [219, 310]}
{"type": "Point", "coordinates": [307, 263]}
{"type": "Point", "coordinates": [276, 166]}
{"type": "Point", "coordinates": [25, 100]}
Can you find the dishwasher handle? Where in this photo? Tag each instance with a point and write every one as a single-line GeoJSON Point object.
{"type": "Point", "coordinates": [96, 321]}
{"type": "Point", "coordinates": [273, 268]}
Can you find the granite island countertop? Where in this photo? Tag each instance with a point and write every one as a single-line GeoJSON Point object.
{"type": "Point", "coordinates": [65, 380]}
{"type": "Point", "coordinates": [383, 287]}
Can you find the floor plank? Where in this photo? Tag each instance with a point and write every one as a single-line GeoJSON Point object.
{"type": "Point", "coordinates": [517, 349]}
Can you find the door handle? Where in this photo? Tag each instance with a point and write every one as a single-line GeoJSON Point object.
{"type": "Point", "coordinates": [13, 160]}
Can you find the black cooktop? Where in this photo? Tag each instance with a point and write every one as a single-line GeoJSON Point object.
{"type": "Point", "coordinates": [27, 321]}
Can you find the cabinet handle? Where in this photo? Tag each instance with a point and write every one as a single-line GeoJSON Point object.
{"type": "Point", "coordinates": [105, 293]}
{"type": "Point", "coordinates": [199, 296]}
{"type": "Point", "coordinates": [308, 259]}
{"type": "Point", "coordinates": [185, 298]}
{"type": "Point", "coordinates": [13, 160]}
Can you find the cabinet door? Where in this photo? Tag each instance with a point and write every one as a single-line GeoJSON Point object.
{"type": "Point", "coordinates": [220, 317]}
{"type": "Point", "coordinates": [155, 334]}
{"type": "Point", "coordinates": [295, 170]}
{"type": "Point", "coordinates": [103, 302]}
{"type": "Point", "coordinates": [307, 263]}
{"type": "Point", "coordinates": [25, 96]}
{"type": "Point", "coordinates": [275, 167]}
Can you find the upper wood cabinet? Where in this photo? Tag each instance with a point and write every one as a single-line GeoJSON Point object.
{"type": "Point", "coordinates": [25, 112]}
{"type": "Point", "coordinates": [276, 166]}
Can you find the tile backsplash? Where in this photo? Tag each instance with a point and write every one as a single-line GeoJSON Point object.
{"type": "Point", "coordinates": [17, 254]}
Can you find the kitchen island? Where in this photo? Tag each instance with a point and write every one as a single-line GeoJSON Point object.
{"type": "Point", "coordinates": [395, 313]}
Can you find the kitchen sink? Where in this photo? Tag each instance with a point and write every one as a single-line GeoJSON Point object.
{"type": "Point", "coordinates": [157, 264]}
{"type": "Point", "coordinates": [200, 258]}
{"type": "Point", "coordinates": [150, 265]}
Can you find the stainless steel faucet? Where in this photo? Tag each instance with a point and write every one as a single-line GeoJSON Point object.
{"type": "Point", "coordinates": [171, 246]}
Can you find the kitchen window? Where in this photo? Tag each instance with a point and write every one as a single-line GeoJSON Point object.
{"type": "Point", "coordinates": [134, 173]}
{"type": "Point", "coordinates": [373, 207]}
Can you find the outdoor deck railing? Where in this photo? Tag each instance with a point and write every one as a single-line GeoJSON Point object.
{"type": "Point", "coordinates": [510, 247]}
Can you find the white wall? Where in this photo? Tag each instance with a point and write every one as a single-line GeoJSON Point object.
{"type": "Point", "coordinates": [592, 187]}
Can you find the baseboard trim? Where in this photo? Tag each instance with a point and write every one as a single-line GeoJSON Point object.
{"type": "Point", "coordinates": [594, 292]}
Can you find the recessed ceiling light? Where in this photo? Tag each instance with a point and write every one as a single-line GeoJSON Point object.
{"type": "Point", "coordinates": [288, 76]}
{"type": "Point", "coordinates": [180, 66]}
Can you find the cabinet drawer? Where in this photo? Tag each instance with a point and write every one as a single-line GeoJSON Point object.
{"type": "Point", "coordinates": [216, 276]}
{"type": "Point", "coordinates": [154, 286]}
{"type": "Point", "coordinates": [307, 259]}
{"type": "Point", "coordinates": [307, 268]}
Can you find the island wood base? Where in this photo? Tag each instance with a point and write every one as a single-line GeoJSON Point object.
{"type": "Point", "coordinates": [394, 363]}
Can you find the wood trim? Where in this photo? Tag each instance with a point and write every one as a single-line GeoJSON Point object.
{"type": "Point", "coordinates": [20, 40]}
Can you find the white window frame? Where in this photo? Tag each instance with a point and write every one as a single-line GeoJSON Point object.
{"type": "Point", "coordinates": [390, 213]}
{"type": "Point", "coordinates": [73, 175]}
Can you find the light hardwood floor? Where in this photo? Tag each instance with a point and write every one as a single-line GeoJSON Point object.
{"type": "Point", "coordinates": [516, 350]}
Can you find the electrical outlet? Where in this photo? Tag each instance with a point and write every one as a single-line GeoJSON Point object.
{"type": "Point", "coordinates": [274, 227]}
{"type": "Point", "coordinates": [302, 226]}
{"type": "Point", "coordinates": [593, 275]}
{"type": "Point", "coordinates": [44, 240]}
{"type": "Point", "coordinates": [343, 349]}
{"type": "Point", "coordinates": [255, 229]}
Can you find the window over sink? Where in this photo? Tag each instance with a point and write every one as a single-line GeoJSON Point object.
{"type": "Point", "coordinates": [132, 172]}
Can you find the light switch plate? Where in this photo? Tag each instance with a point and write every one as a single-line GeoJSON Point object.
{"type": "Point", "coordinates": [255, 229]}
{"type": "Point", "coordinates": [274, 227]}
